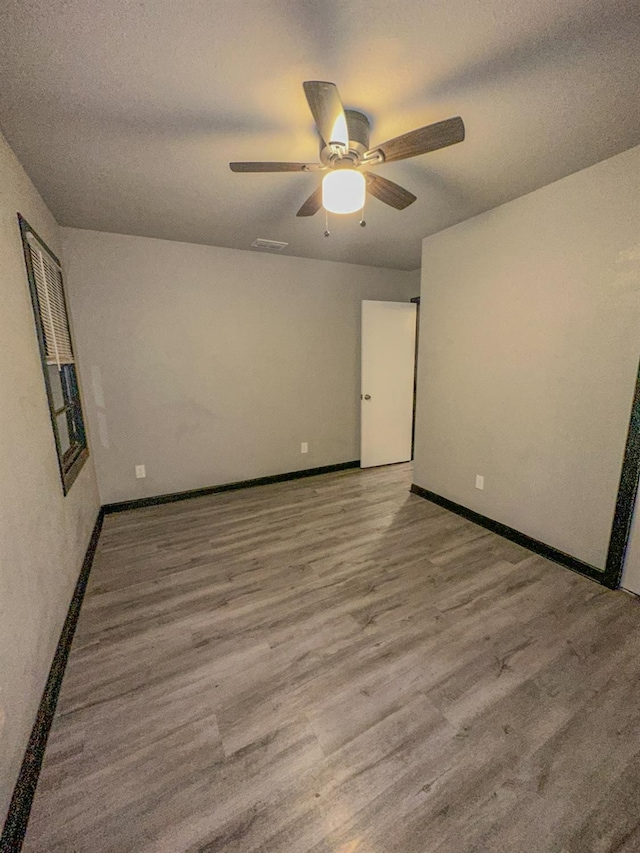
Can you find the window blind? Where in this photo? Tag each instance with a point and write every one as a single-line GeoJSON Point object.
{"type": "Point", "coordinates": [53, 312]}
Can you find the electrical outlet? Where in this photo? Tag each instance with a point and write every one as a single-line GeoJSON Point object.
{"type": "Point", "coordinates": [479, 481]}
{"type": "Point", "coordinates": [304, 447]}
{"type": "Point", "coordinates": [140, 472]}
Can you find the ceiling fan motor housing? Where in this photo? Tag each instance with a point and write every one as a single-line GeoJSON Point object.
{"type": "Point", "coordinates": [359, 129]}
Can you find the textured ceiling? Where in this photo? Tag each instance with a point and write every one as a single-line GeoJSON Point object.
{"type": "Point", "coordinates": [126, 114]}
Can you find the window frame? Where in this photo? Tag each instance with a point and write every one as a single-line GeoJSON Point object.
{"type": "Point", "coordinates": [71, 461]}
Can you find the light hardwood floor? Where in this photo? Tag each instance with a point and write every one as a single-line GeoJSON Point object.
{"type": "Point", "coordinates": [334, 664]}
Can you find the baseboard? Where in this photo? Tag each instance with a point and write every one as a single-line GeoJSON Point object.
{"type": "Point", "coordinates": [514, 535]}
{"type": "Point", "coordinates": [15, 825]}
{"type": "Point", "coordinates": [155, 500]}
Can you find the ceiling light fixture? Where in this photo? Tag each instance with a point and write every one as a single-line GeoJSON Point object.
{"type": "Point", "coordinates": [345, 147]}
{"type": "Point", "coordinates": [343, 191]}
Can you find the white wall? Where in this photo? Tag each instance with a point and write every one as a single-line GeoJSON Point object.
{"type": "Point", "coordinates": [212, 365]}
{"type": "Point", "coordinates": [44, 535]}
{"type": "Point", "coordinates": [529, 345]}
{"type": "Point", "coordinates": [414, 282]}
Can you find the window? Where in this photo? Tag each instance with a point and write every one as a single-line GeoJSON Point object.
{"type": "Point", "coordinates": [56, 351]}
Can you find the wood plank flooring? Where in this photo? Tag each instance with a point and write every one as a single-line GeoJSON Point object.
{"type": "Point", "coordinates": [334, 664]}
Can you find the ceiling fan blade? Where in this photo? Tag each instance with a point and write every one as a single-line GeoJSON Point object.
{"type": "Point", "coordinates": [388, 192]}
{"type": "Point", "coordinates": [276, 167]}
{"type": "Point", "coordinates": [313, 204]}
{"type": "Point", "coordinates": [328, 112]}
{"type": "Point", "coordinates": [421, 141]}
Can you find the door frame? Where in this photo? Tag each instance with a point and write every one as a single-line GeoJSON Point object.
{"type": "Point", "coordinates": [626, 499]}
{"type": "Point", "coordinates": [416, 302]}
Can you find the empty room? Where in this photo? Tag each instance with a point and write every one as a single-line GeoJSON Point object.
{"type": "Point", "coordinates": [319, 426]}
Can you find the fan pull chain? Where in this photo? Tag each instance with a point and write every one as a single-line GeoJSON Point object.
{"type": "Point", "coordinates": [362, 219]}
{"type": "Point", "coordinates": [326, 223]}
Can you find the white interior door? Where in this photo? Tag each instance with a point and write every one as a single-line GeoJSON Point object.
{"type": "Point", "coordinates": [388, 359]}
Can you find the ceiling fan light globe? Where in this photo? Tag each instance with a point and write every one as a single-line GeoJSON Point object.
{"type": "Point", "coordinates": [343, 191]}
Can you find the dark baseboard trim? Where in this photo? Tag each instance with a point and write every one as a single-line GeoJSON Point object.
{"type": "Point", "coordinates": [521, 538]}
{"type": "Point", "coordinates": [15, 825]}
{"type": "Point", "coordinates": [122, 506]}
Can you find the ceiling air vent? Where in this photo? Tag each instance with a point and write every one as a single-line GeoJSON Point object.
{"type": "Point", "coordinates": [269, 245]}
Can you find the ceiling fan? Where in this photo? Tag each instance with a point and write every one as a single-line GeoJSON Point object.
{"type": "Point", "coordinates": [345, 151]}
